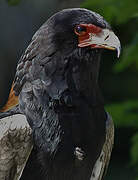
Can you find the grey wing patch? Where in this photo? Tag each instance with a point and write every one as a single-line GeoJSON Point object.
{"type": "Point", "coordinates": [102, 162]}
{"type": "Point", "coordinates": [15, 146]}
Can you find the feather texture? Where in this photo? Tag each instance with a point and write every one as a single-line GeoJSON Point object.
{"type": "Point", "coordinates": [15, 146]}
{"type": "Point", "coordinates": [62, 110]}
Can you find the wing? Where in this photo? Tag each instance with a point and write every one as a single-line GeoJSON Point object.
{"type": "Point", "coordinates": [15, 132]}
{"type": "Point", "coordinates": [102, 162]}
{"type": "Point", "coordinates": [30, 64]}
{"type": "Point", "coordinates": [15, 146]}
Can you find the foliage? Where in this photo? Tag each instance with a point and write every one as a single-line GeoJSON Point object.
{"type": "Point", "coordinates": [125, 114]}
{"type": "Point", "coordinates": [129, 56]}
{"type": "Point", "coordinates": [134, 150]}
{"type": "Point", "coordinates": [123, 14]}
{"type": "Point", "coordinates": [13, 2]}
{"type": "Point", "coordinates": [114, 10]}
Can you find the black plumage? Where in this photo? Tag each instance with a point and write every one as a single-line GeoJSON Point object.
{"type": "Point", "coordinates": [57, 85]}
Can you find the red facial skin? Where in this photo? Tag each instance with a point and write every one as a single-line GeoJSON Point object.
{"type": "Point", "coordinates": [84, 36]}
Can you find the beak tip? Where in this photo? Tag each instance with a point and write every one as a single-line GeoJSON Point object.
{"type": "Point", "coordinates": [118, 51]}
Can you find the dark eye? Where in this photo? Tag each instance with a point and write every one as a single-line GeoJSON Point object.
{"type": "Point", "coordinates": [80, 30]}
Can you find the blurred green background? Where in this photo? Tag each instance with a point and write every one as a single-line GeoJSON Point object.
{"type": "Point", "coordinates": [118, 78]}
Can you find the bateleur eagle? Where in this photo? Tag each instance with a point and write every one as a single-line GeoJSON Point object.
{"type": "Point", "coordinates": [55, 105]}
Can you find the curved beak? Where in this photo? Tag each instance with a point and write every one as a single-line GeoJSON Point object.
{"type": "Point", "coordinates": [106, 39]}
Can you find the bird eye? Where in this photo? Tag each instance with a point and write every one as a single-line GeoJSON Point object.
{"type": "Point", "coordinates": [80, 30]}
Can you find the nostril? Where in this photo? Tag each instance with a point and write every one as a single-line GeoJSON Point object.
{"type": "Point", "coordinates": [106, 37]}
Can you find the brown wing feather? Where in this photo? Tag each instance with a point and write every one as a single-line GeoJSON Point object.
{"type": "Point", "coordinates": [12, 101]}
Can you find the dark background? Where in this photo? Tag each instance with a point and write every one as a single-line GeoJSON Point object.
{"type": "Point", "coordinates": [118, 78]}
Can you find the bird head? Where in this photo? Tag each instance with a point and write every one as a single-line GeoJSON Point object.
{"type": "Point", "coordinates": [81, 28]}
{"type": "Point", "coordinates": [77, 33]}
{"type": "Point", "coordinates": [82, 35]}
